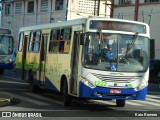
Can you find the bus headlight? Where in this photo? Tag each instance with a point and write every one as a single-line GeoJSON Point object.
{"type": "Point", "coordinates": [9, 60]}
{"type": "Point", "coordinates": [142, 85]}
{"type": "Point", "coordinates": [87, 82]}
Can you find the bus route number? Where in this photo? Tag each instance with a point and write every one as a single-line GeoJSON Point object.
{"type": "Point", "coordinates": [100, 83]}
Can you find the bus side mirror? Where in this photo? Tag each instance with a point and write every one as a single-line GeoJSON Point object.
{"type": "Point", "coordinates": [82, 39]}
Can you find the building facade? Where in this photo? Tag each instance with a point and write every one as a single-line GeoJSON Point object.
{"type": "Point", "coordinates": [19, 13]}
{"type": "Point", "coordinates": [147, 11]}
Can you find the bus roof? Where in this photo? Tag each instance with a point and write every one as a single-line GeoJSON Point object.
{"type": "Point", "coordinates": [116, 19]}
{"type": "Point", "coordinates": [55, 24]}
{"type": "Point", "coordinates": [74, 22]}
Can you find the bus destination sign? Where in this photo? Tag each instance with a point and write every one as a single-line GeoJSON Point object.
{"type": "Point", "coordinates": [118, 26]}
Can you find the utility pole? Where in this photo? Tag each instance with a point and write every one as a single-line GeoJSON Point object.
{"type": "Point", "coordinates": [95, 7]}
{"type": "Point", "coordinates": [98, 8]}
{"type": "Point", "coordinates": [136, 10]}
{"type": "Point", "coordinates": [111, 6]}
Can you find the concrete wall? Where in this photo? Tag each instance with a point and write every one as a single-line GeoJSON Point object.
{"type": "Point", "coordinates": [15, 21]}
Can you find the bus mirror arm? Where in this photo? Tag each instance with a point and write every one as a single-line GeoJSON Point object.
{"type": "Point", "coordinates": [82, 39]}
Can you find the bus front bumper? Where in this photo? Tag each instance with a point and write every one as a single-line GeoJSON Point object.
{"type": "Point", "coordinates": [104, 93]}
{"type": "Point", "coordinates": [9, 65]}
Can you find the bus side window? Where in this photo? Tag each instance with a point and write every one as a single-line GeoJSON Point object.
{"type": "Point", "coordinates": [37, 41]}
{"type": "Point", "coordinates": [34, 41]}
{"type": "Point", "coordinates": [30, 46]}
{"type": "Point", "coordinates": [54, 41]}
{"type": "Point", "coordinates": [61, 42]}
{"type": "Point", "coordinates": [20, 44]}
{"type": "Point", "coordinates": [65, 39]}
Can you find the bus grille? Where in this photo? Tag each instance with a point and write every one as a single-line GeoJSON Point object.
{"type": "Point", "coordinates": [119, 79]}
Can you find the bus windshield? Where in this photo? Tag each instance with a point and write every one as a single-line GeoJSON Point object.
{"type": "Point", "coordinates": [116, 52]}
{"type": "Point", "coordinates": [6, 45]}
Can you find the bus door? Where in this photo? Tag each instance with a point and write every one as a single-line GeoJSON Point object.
{"type": "Point", "coordinates": [74, 62]}
{"type": "Point", "coordinates": [43, 58]}
{"type": "Point", "coordinates": [24, 53]}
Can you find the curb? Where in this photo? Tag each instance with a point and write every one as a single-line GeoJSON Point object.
{"type": "Point", "coordinates": [4, 102]}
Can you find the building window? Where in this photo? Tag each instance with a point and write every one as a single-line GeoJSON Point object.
{"type": "Point", "coordinates": [148, 1]}
{"type": "Point", "coordinates": [44, 5]}
{"type": "Point", "coordinates": [124, 2]}
{"type": "Point", "coordinates": [30, 7]}
{"type": "Point", "coordinates": [18, 8]}
{"type": "Point", "coordinates": [59, 5]}
{"type": "Point", "coordinates": [7, 9]}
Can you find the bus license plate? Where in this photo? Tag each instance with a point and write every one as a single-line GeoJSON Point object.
{"type": "Point", "coordinates": [118, 91]}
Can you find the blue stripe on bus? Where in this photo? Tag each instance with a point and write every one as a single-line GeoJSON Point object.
{"type": "Point", "coordinates": [104, 93]}
{"type": "Point", "coordinates": [49, 85]}
{"type": "Point", "coordinates": [7, 65]}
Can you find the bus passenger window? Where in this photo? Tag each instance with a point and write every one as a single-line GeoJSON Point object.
{"type": "Point", "coordinates": [54, 41]}
{"type": "Point", "coordinates": [37, 42]}
{"type": "Point", "coordinates": [34, 41]}
{"type": "Point", "coordinates": [65, 39]}
{"type": "Point", "coordinates": [30, 42]}
{"type": "Point", "coordinates": [61, 43]}
{"type": "Point", "coordinates": [20, 42]}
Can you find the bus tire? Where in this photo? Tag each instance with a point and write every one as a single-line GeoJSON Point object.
{"type": "Point", "coordinates": [1, 71]}
{"type": "Point", "coordinates": [33, 88]}
{"type": "Point", "coordinates": [120, 103]}
{"type": "Point", "coordinates": [66, 98]}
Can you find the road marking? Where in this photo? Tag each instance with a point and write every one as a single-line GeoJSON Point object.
{"type": "Point", "coordinates": [14, 90]}
{"type": "Point", "coordinates": [148, 103]}
{"type": "Point", "coordinates": [11, 78]}
{"type": "Point", "coordinates": [133, 102]}
{"type": "Point", "coordinates": [26, 99]}
{"type": "Point", "coordinates": [153, 100]}
{"type": "Point", "coordinates": [6, 81]}
{"type": "Point", "coordinates": [153, 96]}
{"type": "Point", "coordinates": [41, 97]}
{"type": "Point", "coordinates": [114, 102]}
{"type": "Point", "coordinates": [105, 102]}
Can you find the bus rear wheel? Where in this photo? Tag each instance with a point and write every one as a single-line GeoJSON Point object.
{"type": "Point", "coordinates": [66, 98]}
{"type": "Point", "coordinates": [120, 103]}
{"type": "Point", "coordinates": [33, 87]}
{"type": "Point", "coordinates": [158, 83]}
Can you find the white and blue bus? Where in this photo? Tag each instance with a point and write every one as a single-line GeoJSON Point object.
{"type": "Point", "coordinates": [90, 58]}
{"type": "Point", "coordinates": [7, 55]}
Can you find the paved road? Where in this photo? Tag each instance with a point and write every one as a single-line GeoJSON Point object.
{"type": "Point", "coordinates": [50, 104]}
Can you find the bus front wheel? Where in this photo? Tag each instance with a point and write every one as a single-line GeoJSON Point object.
{"type": "Point", "coordinates": [120, 103]}
{"type": "Point", "coordinates": [66, 98]}
{"type": "Point", "coordinates": [1, 71]}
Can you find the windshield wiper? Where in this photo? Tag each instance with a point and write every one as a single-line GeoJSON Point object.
{"type": "Point", "coordinates": [129, 46]}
